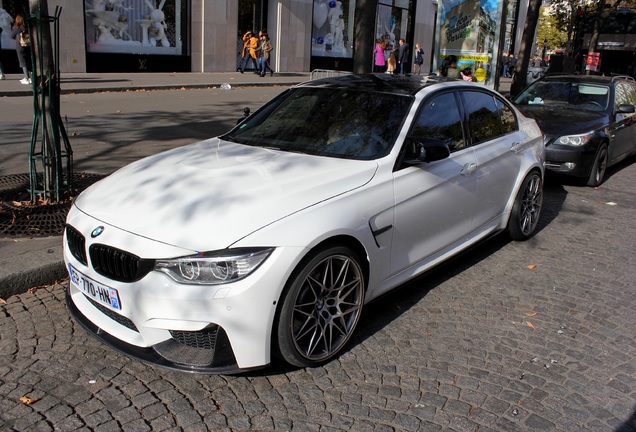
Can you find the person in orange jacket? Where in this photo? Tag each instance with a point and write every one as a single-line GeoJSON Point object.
{"type": "Point", "coordinates": [250, 43]}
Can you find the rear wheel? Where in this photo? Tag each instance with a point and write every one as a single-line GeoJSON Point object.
{"type": "Point", "coordinates": [321, 307]}
{"type": "Point", "coordinates": [600, 165]}
{"type": "Point", "coordinates": [527, 208]}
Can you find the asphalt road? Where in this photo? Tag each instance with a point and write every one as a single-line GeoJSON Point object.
{"type": "Point", "coordinates": [532, 336]}
{"type": "Point", "coordinates": [111, 129]}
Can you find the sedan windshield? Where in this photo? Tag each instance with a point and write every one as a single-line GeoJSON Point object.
{"type": "Point", "coordinates": [342, 123]}
{"type": "Point", "coordinates": [577, 95]}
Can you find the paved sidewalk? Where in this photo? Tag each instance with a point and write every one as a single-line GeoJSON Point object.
{"type": "Point", "coordinates": [93, 83]}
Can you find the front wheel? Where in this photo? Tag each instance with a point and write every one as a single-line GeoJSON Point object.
{"type": "Point", "coordinates": [600, 165]}
{"type": "Point", "coordinates": [527, 208]}
{"type": "Point", "coordinates": [321, 307]}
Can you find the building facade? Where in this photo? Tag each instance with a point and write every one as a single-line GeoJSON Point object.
{"type": "Point", "coordinates": [205, 35]}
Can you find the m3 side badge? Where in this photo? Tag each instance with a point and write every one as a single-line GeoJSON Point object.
{"type": "Point", "coordinates": [97, 231]}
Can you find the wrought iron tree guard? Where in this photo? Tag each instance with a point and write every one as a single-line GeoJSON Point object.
{"type": "Point", "coordinates": [48, 132]}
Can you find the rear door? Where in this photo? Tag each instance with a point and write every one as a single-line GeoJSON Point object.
{"type": "Point", "coordinates": [493, 131]}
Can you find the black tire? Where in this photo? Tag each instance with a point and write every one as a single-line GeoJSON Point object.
{"type": "Point", "coordinates": [526, 210]}
{"type": "Point", "coordinates": [600, 165]}
{"type": "Point", "coordinates": [321, 307]}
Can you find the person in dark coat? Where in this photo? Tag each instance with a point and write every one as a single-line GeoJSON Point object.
{"type": "Point", "coordinates": [19, 31]}
{"type": "Point", "coordinates": [403, 55]}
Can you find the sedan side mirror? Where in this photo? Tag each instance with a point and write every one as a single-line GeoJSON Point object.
{"type": "Point", "coordinates": [625, 109]}
{"type": "Point", "coordinates": [246, 114]}
{"type": "Point", "coordinates": [425, 150]}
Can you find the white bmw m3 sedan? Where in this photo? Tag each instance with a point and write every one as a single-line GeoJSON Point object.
{"type": "Point", "coordinates": [266, 243]}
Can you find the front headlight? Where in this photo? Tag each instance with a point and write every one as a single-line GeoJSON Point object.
{"type": "Point", "coordinates": [213, 268]}
{"type": "Point", "coordinates": [575, 140]}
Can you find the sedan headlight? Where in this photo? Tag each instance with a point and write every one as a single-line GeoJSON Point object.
{"type": "Point", "coordinates": [575, 140]}
{"type": "Point", "coordinates": [214, 268]}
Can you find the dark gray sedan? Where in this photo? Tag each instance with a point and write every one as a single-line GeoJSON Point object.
{"type": "Point", "coordinates": [588, 122]}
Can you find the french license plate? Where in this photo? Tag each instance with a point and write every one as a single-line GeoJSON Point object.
{"type": "Point", "coordinates": [95, 290]}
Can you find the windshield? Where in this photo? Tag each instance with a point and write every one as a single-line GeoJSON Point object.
{"type": "Point", "coordinates": [593, 97]}
{"type": "Point", "coordinates": [342, 123]}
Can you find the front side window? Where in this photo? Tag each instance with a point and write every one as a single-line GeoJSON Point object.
{"type": "Point", "coordinates": [439, 121]}
{"type": "Point", "coordinates": [483, 116]}
{"type": "Point", "coordinates": [342, 123]}
{"type": "Point", "coordinates": [625, 94]}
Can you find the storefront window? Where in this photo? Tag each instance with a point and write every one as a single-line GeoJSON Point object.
{"type": "Point", "coordinates": [332, 32]}
{"type": "Point", "coordinates": [469, 30]}
{"type": "Point", "coordinates": [134, 26]}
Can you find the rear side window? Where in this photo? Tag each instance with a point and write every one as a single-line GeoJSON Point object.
{"type": "Point", "coordinates": [439, 120]}
{"type": "Point", "coordinates": [508, 118]}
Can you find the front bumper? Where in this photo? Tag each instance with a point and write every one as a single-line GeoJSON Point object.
{"type": "Point", "coordinates": [207, 329]}
{"type": "Point", "coordinates": [559, 159]}
{"type": "Point", "coordinates": [207, 351]}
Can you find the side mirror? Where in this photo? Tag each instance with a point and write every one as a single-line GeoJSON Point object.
{"type": "Point", "coordinates": [246, 114]}
{"type": "Point", "coordinates": [425, 150]}
{"type": "Point", "coordinates": [625, 109]}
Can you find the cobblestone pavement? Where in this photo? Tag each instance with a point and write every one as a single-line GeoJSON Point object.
{"type": "Point", "coordinates": [509, 336]}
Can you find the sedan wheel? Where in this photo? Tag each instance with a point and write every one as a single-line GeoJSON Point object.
{"type": "Point", "coordinates": [527, 208]}
{"type": "Point", "coordinates": [321, 307]}
{"type": "Point", "coordinates": [600, 165]}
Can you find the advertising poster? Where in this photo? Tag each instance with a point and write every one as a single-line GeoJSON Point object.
{"type": "Point", "coordinates": [469, 30]}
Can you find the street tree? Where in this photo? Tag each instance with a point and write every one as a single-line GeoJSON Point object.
{"type": "Point", "coordinates": [47, 118]}
{"type": "Point", "coordinates": [549, 32]}
{"type": "Point", "coordinates": [364, 37]}
{"type": "Point", "coordinates": [525, 46]}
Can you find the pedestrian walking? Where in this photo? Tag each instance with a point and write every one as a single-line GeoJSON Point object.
{"type": "Point", "coordinates": [378, 61]}
{"type": "Point", "coordinates": [20, 33]}
{"type": "Point", "coordinates": [250, 43]}
{"type": "Point", "coordinates": [418, 59]}
{"type": "Point", "coordinates": [505, 60]}
{"type": "Point", "coordinates": [264, 49]}
{"type": "Point", "coordinates": [512, 65]}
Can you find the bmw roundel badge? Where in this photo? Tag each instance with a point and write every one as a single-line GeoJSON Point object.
{"type": "Point", "coordinates": [97, 231]}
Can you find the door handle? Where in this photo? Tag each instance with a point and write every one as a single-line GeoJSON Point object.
{"type": "Point", "coordinates": [469, 168]}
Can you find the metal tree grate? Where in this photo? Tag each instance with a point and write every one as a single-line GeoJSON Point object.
{"type": "Point", "coordinates": [19, 217]}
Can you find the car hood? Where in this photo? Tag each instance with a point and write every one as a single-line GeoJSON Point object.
{"type": "Point", "coordinates": [210, 194]}
{"type": "Point", "coordinates": [559, 121]}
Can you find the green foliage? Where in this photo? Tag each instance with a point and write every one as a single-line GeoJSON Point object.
{"type": "Point", "coordinates": [550, 33]}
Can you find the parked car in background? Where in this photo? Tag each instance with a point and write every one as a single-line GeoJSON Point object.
{"type": "Point", "coordinates": [268, 241]}
{"type": "Point", "coordinates": [588, 120]}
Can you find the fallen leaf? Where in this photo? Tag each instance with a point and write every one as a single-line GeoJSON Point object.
{"type": "Point", "coordinates": [2, 301]}
{"type": "Point", "coordinates": [28, 400]}
{"type": "Point", "coordinates": [532, 266]}
{"type": "Point", "coordinates": [530, 325]}
{"type": "Point", "coordinates": [611, 203]}
{"type": "Point", "coordinates": [531, 314]}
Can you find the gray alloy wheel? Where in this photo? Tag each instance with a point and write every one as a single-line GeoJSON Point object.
{"type": "Point", "coordinates": [600, 165]}
{"type": "Point", "coordinates": [527, 208]}
{"type": "Point", "coordinates": [321, 307]}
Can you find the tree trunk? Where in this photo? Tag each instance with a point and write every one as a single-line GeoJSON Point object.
{"type": "Point", "coordinates": [525, 47]}
{"type": "Point", "coordinates": [364, 35]}
{"type": "Point", "coordinates": [47, 95]}
{"type": "Point", "coordinates": [600, 16]}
